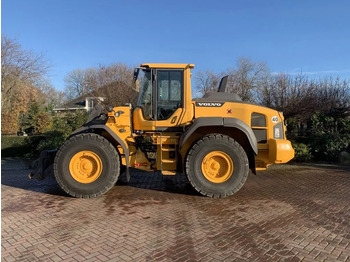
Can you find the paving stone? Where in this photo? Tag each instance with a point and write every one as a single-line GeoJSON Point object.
{"type": "Point", "coordinates": [288, 213]}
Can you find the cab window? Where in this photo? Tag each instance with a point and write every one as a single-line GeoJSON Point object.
{"type": "Point", "coordinates": [145, 100]}
{"type": "Point", "coordinates": [169, 92]}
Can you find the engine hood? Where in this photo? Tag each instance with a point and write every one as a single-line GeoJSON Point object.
{"type": "Point", "coordinates": [219, 97]}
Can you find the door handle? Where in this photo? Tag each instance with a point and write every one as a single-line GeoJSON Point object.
{"type": "Point", "coordinates": [173, 120]}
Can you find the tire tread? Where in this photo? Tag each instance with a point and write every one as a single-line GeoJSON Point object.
{"type": "Point", "coordinates": [189, 160]}
{"type": "Point", "coordinates": [94, 137]}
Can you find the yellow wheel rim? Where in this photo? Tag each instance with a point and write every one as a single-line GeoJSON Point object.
{"type": "Point", "coordinates": [85, 166]}
{"type": "Point", "coordinates": [217, 166]}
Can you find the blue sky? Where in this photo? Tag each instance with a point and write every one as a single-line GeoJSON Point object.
{"type": "Point", "coordinates": [290, 36]}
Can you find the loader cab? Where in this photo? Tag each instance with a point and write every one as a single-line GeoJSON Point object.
{"type": "Point", "coordinates": [164, 92]}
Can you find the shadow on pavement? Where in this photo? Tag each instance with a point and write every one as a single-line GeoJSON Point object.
{"type": "Point", "coordinates": [178, 184]}
{"type": "Point", "coordinates": [14, 173]}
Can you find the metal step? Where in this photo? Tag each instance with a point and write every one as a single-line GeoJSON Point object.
{"type": "Point", "coordinates": [169, 173]}
{"type": "Point", "coordinates": [168, 149]}
{"type": "Point", "coordinates": [169, 161]}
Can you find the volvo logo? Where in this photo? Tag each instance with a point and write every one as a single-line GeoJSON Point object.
{"type": "Point", "coordinates": [209, 104]}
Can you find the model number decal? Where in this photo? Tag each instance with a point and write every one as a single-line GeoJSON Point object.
{"type": "Point", "coordinates": [274, 119]}
{"type": "Point", "coordinates": [209, 104]}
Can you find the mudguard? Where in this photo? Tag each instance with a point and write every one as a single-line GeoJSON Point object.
{"type": "Point", "coordinates": [92, 127]}
{"type": "Point", "coordinates": [43, 166]}
{"type": "Point", "coordinates": [224, 122]}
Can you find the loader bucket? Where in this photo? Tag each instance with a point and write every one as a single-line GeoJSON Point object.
{"type": "Point", "coordinates": [43, 166]}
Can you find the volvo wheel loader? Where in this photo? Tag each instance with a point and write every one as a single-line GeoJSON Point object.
{"type": "Point", "coordinates": [214, 140]}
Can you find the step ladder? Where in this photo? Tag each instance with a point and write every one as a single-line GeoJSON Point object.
{"type": "Point", "coordinates": [168, 155]}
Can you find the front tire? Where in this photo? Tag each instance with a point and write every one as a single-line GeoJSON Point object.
{"type": "Point", "coordinates": [86, 166]}
{"type": "Point", "coordinates": [217, 166]}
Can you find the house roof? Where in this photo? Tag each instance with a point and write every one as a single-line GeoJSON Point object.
{"type": "Point", "coordinates": [102, 94]}
{"type": "Point", "coordinates": [77, 103]}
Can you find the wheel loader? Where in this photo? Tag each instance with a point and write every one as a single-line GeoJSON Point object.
{"type": "Point", "coordinates": [214, 140]}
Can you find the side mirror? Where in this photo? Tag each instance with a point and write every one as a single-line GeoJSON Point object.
{"type": "Point", "coordinates": [136, 73]}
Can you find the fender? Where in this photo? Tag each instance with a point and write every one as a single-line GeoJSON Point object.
{"type": "Point", "coordinates": [87, 127]}
{"type": "Point", "coordinates": [224, 122]}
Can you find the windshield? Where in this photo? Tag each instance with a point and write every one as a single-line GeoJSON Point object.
{"type": "Point", "coordinates": [145, 99]}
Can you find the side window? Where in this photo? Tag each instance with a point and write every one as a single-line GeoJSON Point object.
{"type": "Point", "coordinates": [163, 86]}
{"type": "Point", "coordinates": [169, 92]}
{"type": "Point", "coordinates": [145, 100]}
{"type": "Point", "coordinates": [258, 120]}
{"type": "Point", "coordinates": [258, 124]}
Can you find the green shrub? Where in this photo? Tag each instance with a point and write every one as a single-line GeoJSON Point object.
{"type": "Point", "coordinates": [302, 152]}
{"type": "Point", "coordinates": [43, 122]}
{"type": "Point", "coordinates": [12, 146]}
{"type": "Point", "coordinates": [31, 146]}
{"type": "Point", "coordinates": [49, 140]}
{"type": "Point", "coordinates": [69, 122]}
{"type": "Point", "coordinates": [52, 140]}
{"type": "Point", "coordinates": [77, 119]}
{"type": "Point", "coordinates": [11, 141]}
{"type": "Point", "coordinates": [328, 146]}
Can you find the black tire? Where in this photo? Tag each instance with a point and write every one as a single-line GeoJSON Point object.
{"type": "Point", "coordinates": [217, 142]}
{"type": "Point", "coordinates": [99, 146]}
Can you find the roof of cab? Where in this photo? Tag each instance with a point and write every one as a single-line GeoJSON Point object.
{"type": "Point", "coordinates": [183, 66]}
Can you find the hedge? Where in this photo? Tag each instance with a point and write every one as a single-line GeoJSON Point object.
{"type": "Point", "coordinates": [30, 146]}
{"type": "Point", "coordinates": [12, 146]}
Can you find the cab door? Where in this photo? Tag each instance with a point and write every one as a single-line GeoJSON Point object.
{"type": "Point", "coordinates": [169, 94]}
{"type": "Point", "coordinates": [161, 100]}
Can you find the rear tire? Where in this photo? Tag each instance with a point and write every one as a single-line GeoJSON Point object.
{"type": "Point", "coordinates": [217, 166]}
{"type": "Point", "coordinates": [86, 166]}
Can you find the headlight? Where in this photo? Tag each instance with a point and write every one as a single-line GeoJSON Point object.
{"type": "Point", "coordinates": [278, 131]}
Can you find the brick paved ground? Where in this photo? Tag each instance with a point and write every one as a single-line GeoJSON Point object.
{"type": "Point", "coordinates": [291, 213]}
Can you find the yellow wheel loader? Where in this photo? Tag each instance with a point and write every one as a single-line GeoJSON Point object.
{"type": "Point", "coordinates": [214, 140]}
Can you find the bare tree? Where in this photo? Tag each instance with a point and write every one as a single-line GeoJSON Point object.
{"type": "Point", "coordinates": [83, 81]}
{"type": "Point", "coordinates": [18, 68]}
{"type": "Point", "coordinates": [48, 95]}
{"type": "Point", "coordinates": [334, 94]}
{"type": "Point", "coordinates": [294, 95]}
{"type": "Point", "coordinates": [105, 75]}
{"type": "Point", "coordinates": [112, 82]}
{"type": "Point", "coordinates": [207, 81]}
{"type": "Point", "coordinates": [116, 94]}
{"type": "Point", "coordinates": [246, 78]}
{"type": "Point", "coordinates": [76, 83]}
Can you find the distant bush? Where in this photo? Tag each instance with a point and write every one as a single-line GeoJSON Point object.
{"type": "Point", "coordinates": [302, 152]}
{"type": "Point", "coordinates": [31, 146]}
{"type": "Point", "coordinates": [36, 120]}
{"type": "Point", "coordinates": [328, 146]}
{"type": "Point", "coordinates": [12, 146]}
{"type": "Point", "coordinates": [69, 122]}
{"type": "Point", "coordinates": [49, 140]}
{"type": "Point", "coordinates": [52, 140]}
{"type": "Point", "coordinates": [43, 122]}
{"type": "Point", "coordinates": [328, 135]}
{"type": "Point", "coordinates": [324, 135]}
